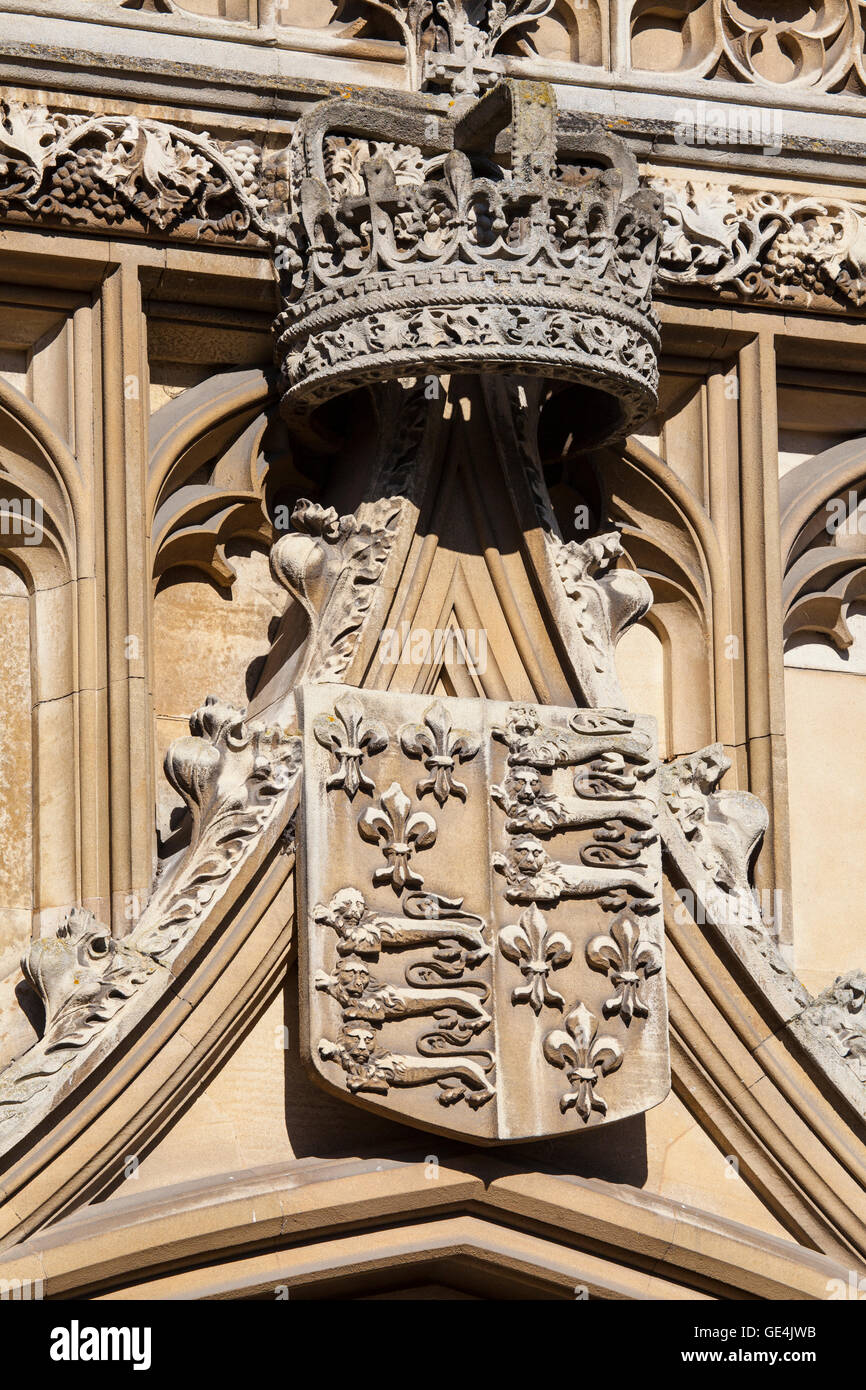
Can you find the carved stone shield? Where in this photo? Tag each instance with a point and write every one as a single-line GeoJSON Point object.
{"type": "Point", "coordinates": [481, 933]}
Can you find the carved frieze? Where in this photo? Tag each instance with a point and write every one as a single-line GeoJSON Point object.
{"type": "Point", "coordinates": [770, 247]}
{"type": "Point", "coordinates": [420, 949]}
{"type": "Point", "coordinates": [129, 174]}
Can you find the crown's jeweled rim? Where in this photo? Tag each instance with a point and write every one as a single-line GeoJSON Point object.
{"type": "Point", "coordinates": [328, 345]}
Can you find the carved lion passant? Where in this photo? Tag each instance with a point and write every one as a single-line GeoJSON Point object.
{"type": "Point", "coordinates": [530, 742]}
{"type": "Point", "coordinates": [461, 1078]}
{"type": "Point", "coordinates": [529, 807]}
{"type": "Point", "coordinates": [366, 932]}
{"type": "Point", "coordinates": [362, 997]}
{"type": "Point", "coordinates": [532, 876]}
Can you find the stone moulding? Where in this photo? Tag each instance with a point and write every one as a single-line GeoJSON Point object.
{"type": "Point", "coordinates": [723, 828]}
{"type": "Point", "coordinates": [464, 45]}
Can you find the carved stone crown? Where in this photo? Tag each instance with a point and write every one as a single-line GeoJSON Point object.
{"type": "Point", "coordinates": [507, 244]}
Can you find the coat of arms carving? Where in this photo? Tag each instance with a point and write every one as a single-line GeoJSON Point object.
{"type": "Point", "coordinates": [481, 930]}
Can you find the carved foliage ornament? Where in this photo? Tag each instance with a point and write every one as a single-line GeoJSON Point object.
{"type": "Point", "coordinates": [235, 777]}
{"type": "Point", "coordinates": [85, 979]}
{"type": "Point", "coordinates": [761, 245]}
{"type": "Point", "coordinates": [724, 828]}
{"type": "Point", "coordinates": [839, 1015]}
{"type": "Point", "coordinates": [331, 565]}
{"type": "Point", "coordinates": [604, 601]}
{"type": "Point", "coordinates": [129, 174]}
{"type": "Point", "coordinates": [416, 971]}
{"type": "Point", "coordinates": [84, 976]}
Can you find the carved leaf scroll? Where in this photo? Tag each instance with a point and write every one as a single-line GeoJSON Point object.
{"type": "Point", "coordinates": [127, 172]}
{"type": "Point", "coordinates": [761, 245]}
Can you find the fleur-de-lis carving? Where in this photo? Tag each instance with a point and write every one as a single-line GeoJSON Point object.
{"type": "Point", "coordinates": [349, 744]}
{"type": "Point", "coordinates": [626, 956]}
{"type": "Point", "coordinates": [585, 1058]}
{"type": "Point", "coordinates": [402, 835]}
{"type": "Point", "coordinates": [537, 951]}
{"type": "Point", "coordinates": [432, 741]}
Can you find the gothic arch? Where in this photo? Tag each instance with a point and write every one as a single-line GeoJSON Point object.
{"type": "Point", "coordinates": [824, 557]}
{"type": "Point", "coordinates": [345, 1229]}
{"type": "Point", "coordinates": [42, 490]}
{"type": "Point", "coordinates": [670, 540]}
{"type": "Point", "coordinates": [190, 429]}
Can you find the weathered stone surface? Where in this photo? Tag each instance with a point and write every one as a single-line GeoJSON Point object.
{"type": "Point", "coordinates": [457, 208]}
{"type": "Point", "coordinates": [396, 260]}
{"type": "Point", "coordinates": [480, 912]}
